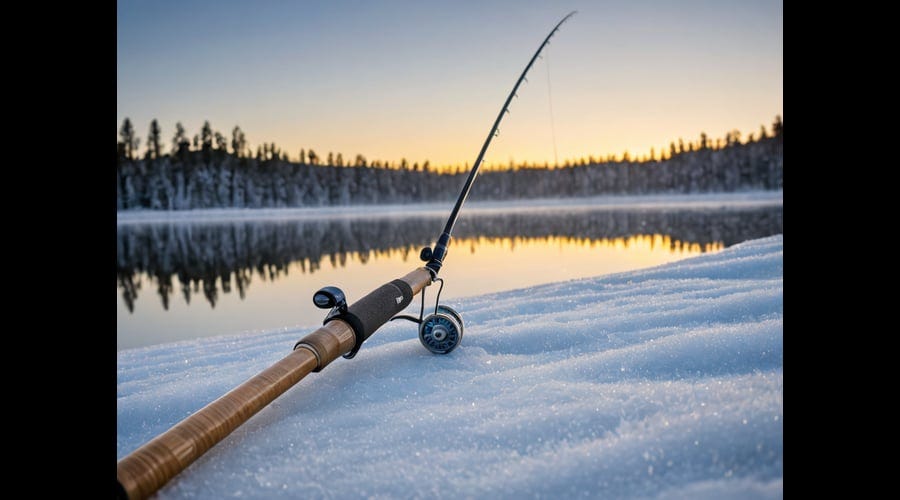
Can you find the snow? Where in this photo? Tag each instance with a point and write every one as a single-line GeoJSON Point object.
{"type": "Point", "coordinates": [660, 383]}
{"type": "Point", "coordinates": [749, 199]}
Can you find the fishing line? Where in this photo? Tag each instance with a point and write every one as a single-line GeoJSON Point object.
{"type": "Point", "coordinates": [145, 470]}
{"type": "Point", "coordinates": [550, 100]}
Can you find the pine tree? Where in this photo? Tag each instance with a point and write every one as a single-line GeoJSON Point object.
{"type": "Point", "coordinates": [129, 141]}
{"type": "Point", "coordinates": [154, 145]}
{"type": "Point", "coordinates": [777, 127]}
{"type": "Point", "coordinates": [206, 135]}
{"type": "Point", "coordinates": [180, 142]}
{"type": "Point", "coordinates": [238, 141]}
{"type": "Point", "coordinates": [221, 142]}
{"type": "Point", "coordinates": [206, 141]}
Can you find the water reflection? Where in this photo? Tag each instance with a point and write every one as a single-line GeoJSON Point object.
{"type": "Point", "coordinates": [649, 241]}
{"type": "Point", "coordinates": [211, 257]}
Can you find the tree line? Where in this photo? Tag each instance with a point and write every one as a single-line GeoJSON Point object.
{"type": "Point", "coordinates": [213, 171]}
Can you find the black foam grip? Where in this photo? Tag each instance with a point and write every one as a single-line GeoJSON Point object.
{"type": "Point", "coordinates": [370, 312]}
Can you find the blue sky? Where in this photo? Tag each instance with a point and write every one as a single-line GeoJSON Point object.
{"type": "Point", "coordinates": [425, 80]}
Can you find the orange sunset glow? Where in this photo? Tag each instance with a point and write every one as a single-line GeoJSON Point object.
{"type": "Point", "coordinates": [424, 81]}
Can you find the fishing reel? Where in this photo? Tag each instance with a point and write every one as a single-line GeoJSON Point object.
{"type": "Point", "coordinates": [440, 331]}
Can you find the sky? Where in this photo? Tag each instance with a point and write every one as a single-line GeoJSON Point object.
{"type": "Point", "coordinates": [425, 80]}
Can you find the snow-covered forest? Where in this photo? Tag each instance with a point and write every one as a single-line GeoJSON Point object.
{"type": "Point", "coordinates": [198, 258]}
{"type": "Point", "coordinates": [212, 172]}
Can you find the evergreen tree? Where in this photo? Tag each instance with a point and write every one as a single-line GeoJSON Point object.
{"type": "Point", "coordinates": [180, 142]}
{"type": "Point", "coordinates": [206, 141]}
{"type": "Point", "coordinates": [221, 142]}
{"type": "Point", "coordinates": [154, 143]}
{"type": "Point", "coordinates": [129, 140]}
{"type": "Point", "coordinates": [206, 136]}
{"type": "Point", "coordinates": [238, 141]}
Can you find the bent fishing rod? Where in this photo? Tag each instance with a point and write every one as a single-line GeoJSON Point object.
{"type": "Point", "coordinates": [145, 470]}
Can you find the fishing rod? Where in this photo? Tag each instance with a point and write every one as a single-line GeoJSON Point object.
{"type": "Point", "coordinates": [145, 470]}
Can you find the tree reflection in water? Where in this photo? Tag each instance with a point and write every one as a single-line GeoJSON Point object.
{"type": "Point", "coordinates": [213, 256]}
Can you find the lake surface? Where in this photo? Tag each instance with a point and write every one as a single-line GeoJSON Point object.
{"type": "Point", "coordinates": [187, 276]}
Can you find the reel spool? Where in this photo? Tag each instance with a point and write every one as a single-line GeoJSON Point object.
{"type": "Point", "coordinates": [442, 331]}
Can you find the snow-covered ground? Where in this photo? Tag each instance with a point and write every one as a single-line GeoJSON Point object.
{"type": "Point", "coordinates": [660, 383]}
{"type": "Point", "coordinates": [621, 202]}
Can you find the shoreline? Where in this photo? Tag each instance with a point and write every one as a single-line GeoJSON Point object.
{"type": "Point", "coordinates": [699, 201]}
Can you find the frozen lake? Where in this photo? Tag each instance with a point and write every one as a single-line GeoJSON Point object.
{"type": "Point", "coordinates": [196, 274]}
